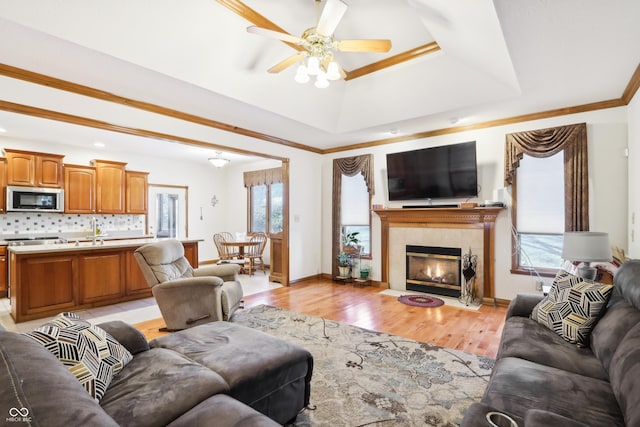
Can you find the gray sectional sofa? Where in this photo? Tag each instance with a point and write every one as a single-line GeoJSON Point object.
{"type": "Point", "coordinates": [219, 374]}
{"type": "Point", "coordinates": [539, 379]}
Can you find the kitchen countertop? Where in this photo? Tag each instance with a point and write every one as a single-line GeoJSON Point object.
{"type": "Point", "coordinates": [87, 245]}
{"type": "Point", "coordinates": [71, 237]}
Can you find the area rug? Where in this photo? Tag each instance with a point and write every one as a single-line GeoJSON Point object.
{"type": "Point", "coordinates": [420, 301]}
{"type": "Point", "coordinates": [367, 378]}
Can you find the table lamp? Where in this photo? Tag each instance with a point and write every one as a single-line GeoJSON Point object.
{"type": "Point", "coordinates": [586, 247]}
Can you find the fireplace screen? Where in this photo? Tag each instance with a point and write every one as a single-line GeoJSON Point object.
{"type": "Point", "coordinates": [434, 270]}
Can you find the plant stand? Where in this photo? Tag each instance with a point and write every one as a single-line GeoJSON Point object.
{"type": "Point", "coordinates": [343, 279]}
{"type": "Point", "coordinates": [361, 283]}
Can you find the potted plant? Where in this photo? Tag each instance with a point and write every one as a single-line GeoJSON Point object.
{"type": "Point", "coordinates": [344, 264]}
{"type": "Point", "coordinates": [351, 243]}
{"type": "Point", "coordinates": [365, 270]}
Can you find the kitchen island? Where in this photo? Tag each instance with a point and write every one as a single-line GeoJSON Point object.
{"type": "Point", "coordinates": [47, 279]}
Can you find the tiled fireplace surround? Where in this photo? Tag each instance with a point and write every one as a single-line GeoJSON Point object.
{"type": "Point", "coordinates": [471, 228]}
{"type": "Point", "coordinates": [464, 239]}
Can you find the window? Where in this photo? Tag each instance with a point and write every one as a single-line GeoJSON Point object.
{"type": "Point", "coordinates": [352, 191]}
{"type": "Point", "coordinates": [540, 215]}
{"type": "Point", "coordinates": [167, 216]}
{"type": "Point", "coordinates": [550, 196]}
{"type": "Point", "coordinates": [275, 208]}
{"type": "Point", "coordinates": [265, 201]}
{"type": "Point", "coordinates": [258, 209]}
{"type": "Point", "coordinates": [355, 207]}
{"type": "Point", "coordinates": [168, 210]}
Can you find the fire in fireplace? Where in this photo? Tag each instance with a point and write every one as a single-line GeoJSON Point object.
{"type": "Point", "coordinates": [434, 269]}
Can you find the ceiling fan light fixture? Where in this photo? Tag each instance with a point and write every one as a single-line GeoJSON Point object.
{"type": "Point", "coordinates": [218, 161]}
{"type": "Point", "coordinates": [333, 73]}
{"type": "Point", "coordinates": [321, 80]}
{"type": "Point", "coordinates": [313, 66]}
{"type": "Point", "coordinates": [302, 75]}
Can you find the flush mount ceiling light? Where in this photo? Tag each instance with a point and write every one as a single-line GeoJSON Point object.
{"type": "Point", "coordinates": [315, 56]}
{"type": "Point", "coordinates": [218, 161]}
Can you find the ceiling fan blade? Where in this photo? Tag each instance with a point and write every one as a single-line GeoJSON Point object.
{"type": "Point", "coordinates": [363, 45]}
{"type": "Point", "coordinates": [330, 17]}
{"type": "Point", "coordinates": [274, 34]}
{"type": "Point", "coordinates": [286, 63]}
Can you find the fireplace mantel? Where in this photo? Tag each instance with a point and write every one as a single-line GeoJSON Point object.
{"type": "Point", "coordinates": [476, 218]}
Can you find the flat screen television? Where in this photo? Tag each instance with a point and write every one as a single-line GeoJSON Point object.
{"type": "Point", "coordinates": [444, 172]}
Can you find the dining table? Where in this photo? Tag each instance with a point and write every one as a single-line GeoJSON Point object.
{"type": "Point", "coordinates": [241, 245]}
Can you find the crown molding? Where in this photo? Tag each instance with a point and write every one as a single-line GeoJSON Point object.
{"type": "Point", "coordinates": [41, 79]}
{"type": "Point", "coordinates": [632, 87]}
{"type": "Point", "coordinates": [53, 82]}
{"type": "Point", "coordinates": [98, 124]}
{"type": "Point", "coordinates": [393, 60]}
{"type": "Point", "coordinates": [601, 105]}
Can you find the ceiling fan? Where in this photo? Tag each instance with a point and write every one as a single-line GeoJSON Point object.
{"type": "Point", "coordinates": [318, 46]}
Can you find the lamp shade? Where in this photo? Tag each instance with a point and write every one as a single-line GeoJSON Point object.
{"type": "Point", "coordinates": [586, 246]}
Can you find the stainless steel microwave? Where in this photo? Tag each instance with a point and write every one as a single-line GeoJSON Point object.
{"type": "Point", "coordinates": [34, 199]}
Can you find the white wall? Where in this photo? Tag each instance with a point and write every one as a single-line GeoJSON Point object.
{"type": "Point", "coordinates": [304, 213]}
{"type": "Point", "coordinates": [633, 114]}
{"type": "Point", "coordinates": [607, 136]}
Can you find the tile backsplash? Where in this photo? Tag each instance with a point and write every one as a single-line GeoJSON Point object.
{"type": "Point", "coordinates": [43, 223]}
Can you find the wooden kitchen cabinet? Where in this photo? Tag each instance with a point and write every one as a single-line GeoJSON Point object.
{"type": "Point", "coordinates": [35, 293]}
{"type": "Point", "coordinates": [101, 275]}
{"type": "Point", "coordinates": [32, 169]}
{"type": "Point", "coordinates": [136, 190]}
{"type": "Point", "coordinates": [3, 271]}
{"type": "Point", "coordinates": [110, 180]}
{"type": "Point", "coordinates": [3, 185]}
{"type": "Point", "coordinates": [79, 189]}
{"type": "Point", "coordinates": [44, 283]}
{"type": "Point", "coordinates": [191, 253]}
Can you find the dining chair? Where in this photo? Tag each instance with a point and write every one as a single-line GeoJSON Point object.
{"type": "Point", "coordinates": [254, 252]}
{"type": "Point", "coordinates": [223, 251]}
{"type": "Point", "coordinates": [232, 251]}
{"type": "Point", "coordinates": [226, 256]}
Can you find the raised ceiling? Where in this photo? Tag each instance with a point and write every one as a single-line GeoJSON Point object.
{"type": "Point", "coordinates": [497, 59]}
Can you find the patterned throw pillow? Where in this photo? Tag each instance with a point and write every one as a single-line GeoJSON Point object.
{"type": "Point", "coordinates": [572, 307]}
{"type": "Point", "coordinates": [88, 351]}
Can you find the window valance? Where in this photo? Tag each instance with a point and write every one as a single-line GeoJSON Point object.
{"type": "Point", "coordinates": [547, 142]}
{"type": "Point", "coordinates": [263, 177]}
{"type": "Point", "coordinates": [351, 166]}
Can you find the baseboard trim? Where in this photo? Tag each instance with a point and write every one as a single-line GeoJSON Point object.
{"type": "Point", "coordinates": [306, 279]}
{"type": "Point", "coordinates": [496, 302]}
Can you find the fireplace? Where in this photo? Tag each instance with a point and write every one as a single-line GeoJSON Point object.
{"type": "Point", "coordinates": [434, 269]}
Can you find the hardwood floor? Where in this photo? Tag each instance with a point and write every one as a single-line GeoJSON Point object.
{"type": "Point", "coordinates": [473, 331]}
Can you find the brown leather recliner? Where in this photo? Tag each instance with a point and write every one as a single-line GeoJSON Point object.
{"type": "Point", "coordinates": [186, 296]}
